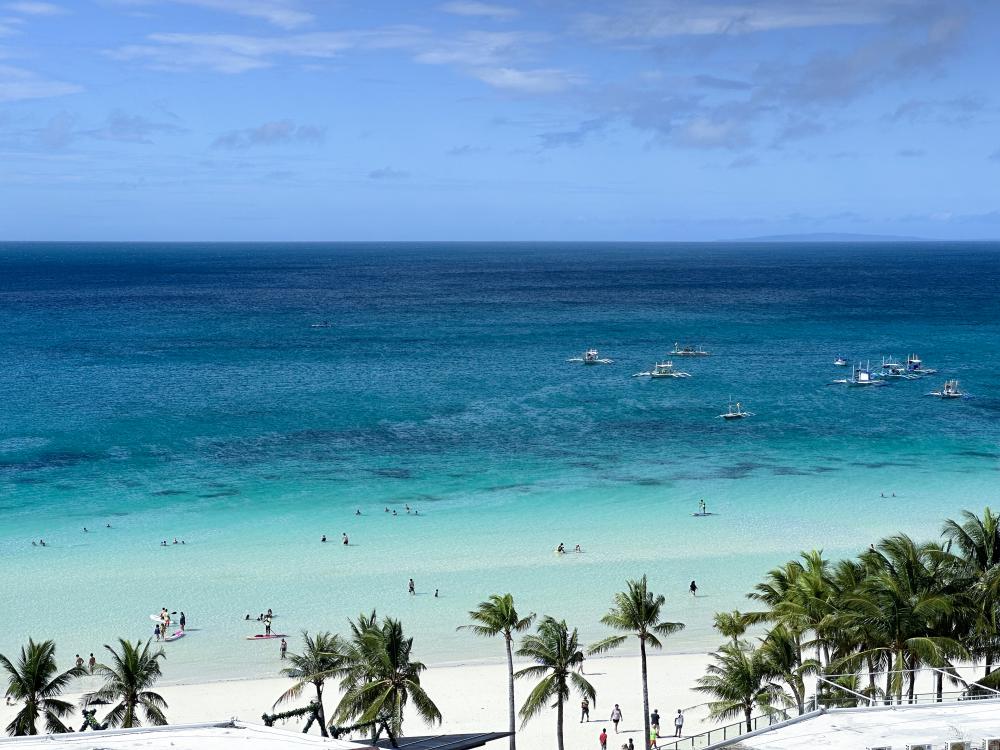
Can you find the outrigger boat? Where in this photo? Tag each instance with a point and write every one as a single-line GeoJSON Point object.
{"type": "Point", "coordinates": [663, 370]}
{"type": "Point", "coordinates": [591, 357]}
{"type": "Point", "coordinates": [949, 390]}
{"type": "Point", "coordinates": [860, 376]}
{"type": "Point", "coordinates": [735, 413]}
{"type": "Point", "coordinates": [915, 367]}
{"type": "Point", "coordinates": [688, 351]}
{"type": "Point", "coordinates": [892, 369]}
{"type": "Point", "coordinates": [840, 362]}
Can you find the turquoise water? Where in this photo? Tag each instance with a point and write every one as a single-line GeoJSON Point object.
{"type": "Point", "coordinates": [179, 391]}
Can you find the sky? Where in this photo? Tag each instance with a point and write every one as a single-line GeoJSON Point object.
{"type": "Point", "coordinates": [465, 120]}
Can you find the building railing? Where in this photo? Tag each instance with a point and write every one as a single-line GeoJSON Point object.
{"type": "Point", "coordinates": [726, 732]}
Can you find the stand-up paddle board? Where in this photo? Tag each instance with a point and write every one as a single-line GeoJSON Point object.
{"type": "Point", "coordinates": [702, 515]}
{"type": "Point", "coordinates": [262, 637]}
{"type": "Point", "coordinates": [175, 635]}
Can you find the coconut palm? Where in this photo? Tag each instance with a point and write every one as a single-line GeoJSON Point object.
{"type": "Point", "coordinates": [732, 625]}
{"type": "Point", "coordinates": [556, 651]}
{"type": "Point", "coordinates": [740, 680]}
{"type": "Point", "coordinates": [900, 599]}
{"type": "Point", "coordinates": [497, 616]}
{"type": "Point", "coordinates": [637, 611]}
{"type": "Point", "coordinates": [978, 543]}
{"type": "Point", "coordinates": [322, 657]}
{"type": "Point", "coordinates": [380, 677]}
{"type": "Point", "coordinates": [37, 681]}
{"type": "Point", "coordinates": [781, 649]}
{"type": "Point", "coordinates": [133, 670]}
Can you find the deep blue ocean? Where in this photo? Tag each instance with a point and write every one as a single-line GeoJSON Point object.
{"type": "Point", "coordinates": [182, 391]}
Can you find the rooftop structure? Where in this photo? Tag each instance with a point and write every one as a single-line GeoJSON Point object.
{"type": "Point", "coordinates": [224, 735]}
{"type": "Point", "coordinates": [934, 725]}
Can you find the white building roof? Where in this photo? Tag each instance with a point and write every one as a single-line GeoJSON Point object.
{"type": "Point", "coordinates": [226, 735]}
{"type": "Point", "coordinates": [881, 726]}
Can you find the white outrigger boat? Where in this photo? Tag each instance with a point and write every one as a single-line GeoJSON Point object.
{"type": "Point", "coordinates": [591, 357]}
{"type": "Point", "coordinates": [840, 362]}
{"type": "Point", "coordinates": [735, 413]}
{"type": "Point", "coordinates": [688, 351]}
{"type": "Point", "coordinates": [860, 376]}
{"type": "Point", "coordinates": [949, 390]}
{"type": "Point", "coordinates": [892, 369]}
{"type": "Point", "coordinates": [663, 370]}
{"type": "Point", "coordinates": [915, 367]}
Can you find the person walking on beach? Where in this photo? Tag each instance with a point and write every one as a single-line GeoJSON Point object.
{"type": "Point", "coordinates": [678, 723]}
{"type": "Point", "coordinates": [653, 735]}
{"type": "Point", "coordinates": [283, 648]}
{"type": "Point", "coordinates": [616, 716]}
{"type": "Point", "coordinates": [584, 710]}
{"type": "Point", "coordinates": [411, 587]}
{"type": "Point", "coordinates": [603, 739]}
{"type": "Point", "coordinates": [694, 588]}
{"type": "Point", "coordinates": [183, 620]}
{"type": "Point", "coordinates": [654, 720]}
{"type": "Point", "coordinates": [92, 662]}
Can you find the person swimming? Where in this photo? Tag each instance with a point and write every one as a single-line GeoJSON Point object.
{"type": "Point", "coordinates": [357, 512]}
{"type": "Point", "coordinates": [561, 549]}
{"type": "Point", "coordinates": [324, 538]}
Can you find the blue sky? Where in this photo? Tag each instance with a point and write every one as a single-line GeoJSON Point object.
{"type": "Point", "coordinates": [459, 119]}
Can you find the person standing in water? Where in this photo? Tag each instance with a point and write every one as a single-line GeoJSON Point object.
{"type": "Point", "coordinates": [283, 648]}
{"type": "Point", "coordinates": [183, 620]}
{"type": "Point", "coordinates": [702, 508]}
{"type": "Point", "coordinates": [694, 588]}
{"type": "Point", "coordinates": [411, 587]}
{"type": "Point", "coordinates": [92, 662]}
{"type": "Point", "coordinates": [346, 542]}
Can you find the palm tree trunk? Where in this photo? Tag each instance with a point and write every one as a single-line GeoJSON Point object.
{"type": "Point", "coordinates": [989, 663]}
{"type": "Point", "coordinates": [321, 713]}
{"type": "Point", "coordinates": [510, 691]}
{"type": "Point", "coordinates": [888, 683]}
{"type": "Point", "coordinates": [559, 722]}
{"type": "Point", "coordinates": [645, 692]}
{"type": "Point", "coordinates": [940, 686]}
{"type": "Point", "coordinates": [746, 712]}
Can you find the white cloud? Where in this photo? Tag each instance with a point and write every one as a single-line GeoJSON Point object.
{"type": "Point", "coordinates": [17, 84]}
{"type": "Point", "coordinates": [480, 10]}
{"type": "Point", "coordinates": [539, 81]}
{"type": "Point", "coordinates": [658, 19]}
{"type": "Point", "coordinates": [285, 14]}
{"type": "Point", "coordinates": [35, 8]}
{"type": "Point", "coordinates": [486, 56]}
{"type": "Point", "coordinates": [269, 134]}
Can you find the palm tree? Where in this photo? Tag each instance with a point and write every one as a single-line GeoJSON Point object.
{"type": "Point", "coordinates": [380, 677]}
{"type": "Point", "coordinates": [901, 597]}
{"type": "Point", "coordinates": [740, 680]}
{"type": "Point", "coordinates": [781, 649]}
{"type": "Point", "coordinates": [732, 625]}
{"type": "Point", "coordinates": [557, 655]}
{"type": "Point", "coordinates": [978, 542]}
{"type": "Point", "coordinates": [321, 658]}
{"type": "Point", "coordinates": [497, 616]}
{"type": "Point", "coordinates": [36, 680]}
{"type": "Point", "coordinates": [637, 611]}
{"type": "Point", "coordinates": [133, 670]}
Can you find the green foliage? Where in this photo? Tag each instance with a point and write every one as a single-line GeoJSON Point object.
{"type": "Point", "coordinates": [36, 680]}
{"type": "Point", "coordinates": [132, 671]}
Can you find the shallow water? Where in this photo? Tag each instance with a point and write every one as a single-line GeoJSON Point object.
{"type": "Point", "coordinates": [179, 391]}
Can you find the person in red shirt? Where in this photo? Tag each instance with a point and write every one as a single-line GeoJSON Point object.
{"type": "Point", "coordinates": [603, 738]}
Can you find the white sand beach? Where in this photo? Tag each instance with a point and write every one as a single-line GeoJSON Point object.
{"type": "Point", "coordinates": [474, 698]}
